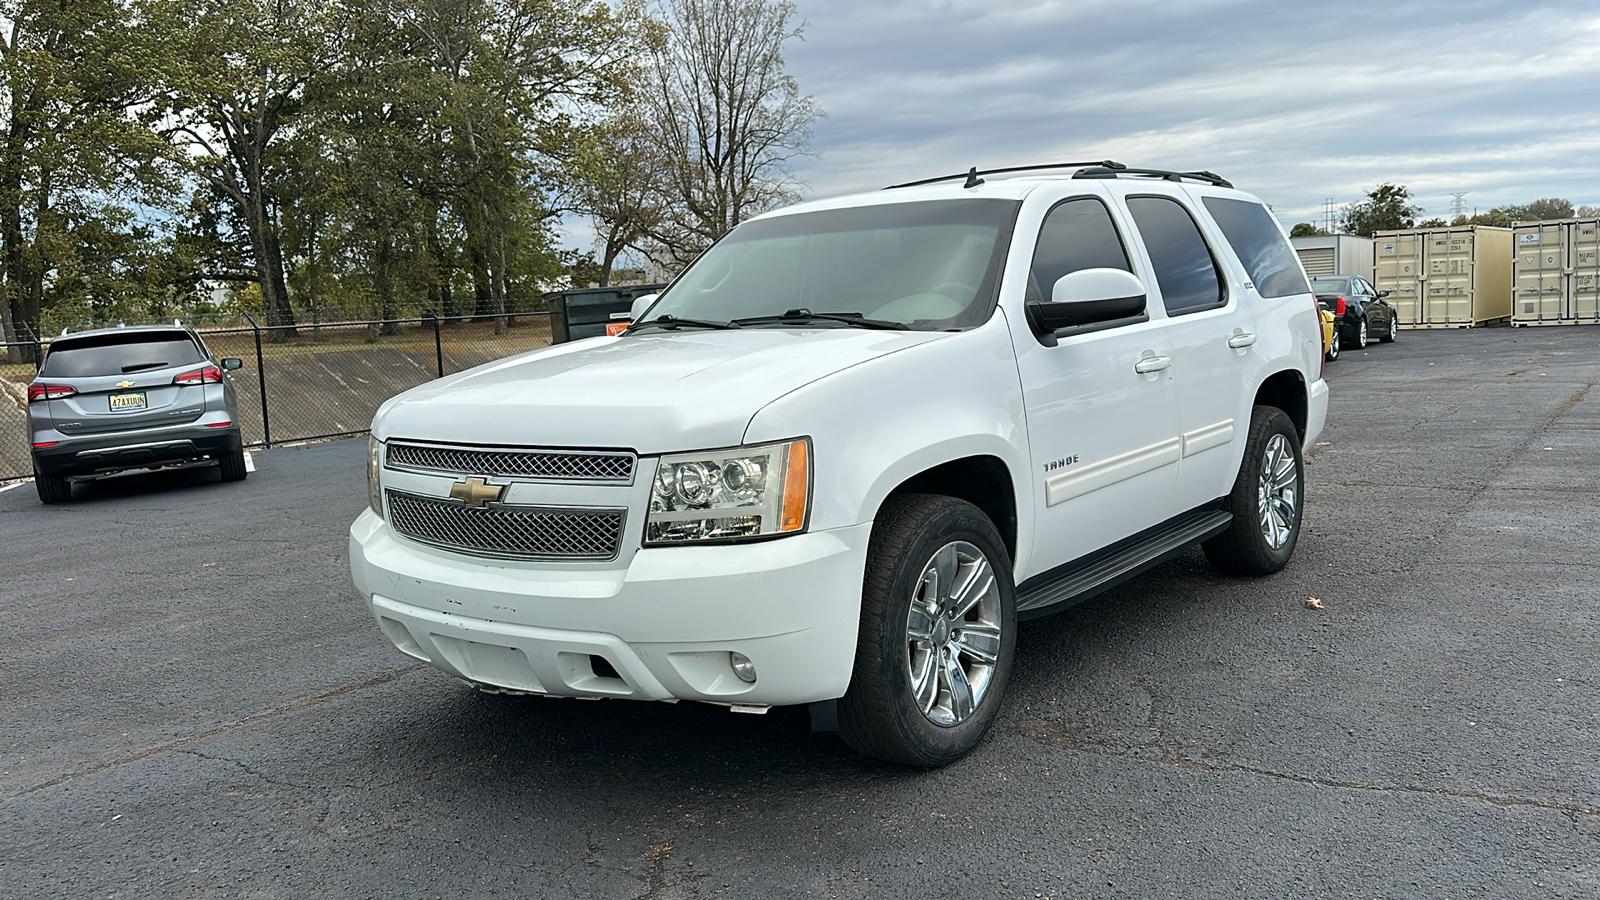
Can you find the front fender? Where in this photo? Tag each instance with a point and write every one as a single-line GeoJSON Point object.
{"type": "Point", "coordinates": [879, 423]}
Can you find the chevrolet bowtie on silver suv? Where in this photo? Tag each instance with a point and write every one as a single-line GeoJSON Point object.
{"type": "Point", "coordinates": [130, 398]}
{"type": "Point", "coordinates": [843, 453]}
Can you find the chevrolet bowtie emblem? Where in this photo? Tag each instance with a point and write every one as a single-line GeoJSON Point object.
{"type": "Point", "coordinates": [476, 491]}
{"type": "Point", "coordinates": [124, 384]}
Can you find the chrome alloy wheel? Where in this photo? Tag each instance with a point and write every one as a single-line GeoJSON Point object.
{"type": "Point", "coordinates": [953, 633]}
{"type": "Point", "coordinates": [1278, 492]}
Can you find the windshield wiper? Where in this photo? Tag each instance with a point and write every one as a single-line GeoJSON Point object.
{"type": "Point", "coordinates": [804, 316]}
{"type": "Point", "coordinates": [671, 321]}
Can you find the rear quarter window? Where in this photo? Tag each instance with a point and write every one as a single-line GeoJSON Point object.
{"type": "Point", "coordinates": [118, 354]}
{"type": "Point", "coordinates": [1260, 246]}
{"type": "Point", "coordinates": [1185, 270]}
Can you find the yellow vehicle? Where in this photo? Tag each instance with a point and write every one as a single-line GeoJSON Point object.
{"type": "Point", "coordinates": [1330, 337]}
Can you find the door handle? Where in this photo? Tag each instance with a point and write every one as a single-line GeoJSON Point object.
{"type": "Point", "coordinates": [1241, 341]}
{"type": "Point", "coordinates": [1152, 364]}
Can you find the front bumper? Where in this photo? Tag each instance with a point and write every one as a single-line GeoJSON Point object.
{"type": "Point", "coordinates": [104, 453]}
{"type": "Point", "coordinates": [662, 628]}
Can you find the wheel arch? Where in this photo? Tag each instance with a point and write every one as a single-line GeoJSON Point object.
{"type": "Point", "coordinates": [1287, 391]}
{"type": "Point", "coordinates": [984, 480]}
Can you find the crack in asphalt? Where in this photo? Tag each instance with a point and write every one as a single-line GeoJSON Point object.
{"type": "Point", "coordinates": [220, 729]}
{"type": "Point", "coordinates": [239, 764]}
{"type": "Point", "coordinates": [1045, 736]}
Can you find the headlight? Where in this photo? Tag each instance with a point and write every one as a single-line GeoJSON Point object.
{"type": "Point", "coordinates": [730, 495]}
{"type": "Point", "coordinates": [374, 465]}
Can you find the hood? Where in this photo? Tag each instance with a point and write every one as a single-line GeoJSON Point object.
{"type": "Point", "coordinates": [656, 392]}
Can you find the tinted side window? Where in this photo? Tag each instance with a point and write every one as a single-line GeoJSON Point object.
{"type": "Point", "coordinates": [1076, 235]}
{"type": "Point", "coordinates": [1184, 268]}
{"type": "Point", "coordinates": [1255, 237]}
{"type": "Point", "coordinates": [118, 354]}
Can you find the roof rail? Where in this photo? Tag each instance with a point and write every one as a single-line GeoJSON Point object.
{"type": "Point", "coordinates": [1115, 171]}
{"type": "Point", "coordinates": [973, 179]}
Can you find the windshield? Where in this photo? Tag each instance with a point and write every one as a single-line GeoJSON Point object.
{"type": "Point", "coordinates": [1330, 285]}
{"type": "Point", "coordinates": [927, 266]}
{"type": "Point", "coordinates": [118, 354]}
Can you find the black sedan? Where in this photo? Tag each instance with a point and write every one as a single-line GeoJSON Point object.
{"type": "Point", "coordinates": [1361, 310]}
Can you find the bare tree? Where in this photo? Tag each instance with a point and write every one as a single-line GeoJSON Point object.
{"type": "Point", "coordinates": [728, 118]}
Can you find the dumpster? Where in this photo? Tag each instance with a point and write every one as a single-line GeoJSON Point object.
{"type": "Point", "coordinates": [590, 312]}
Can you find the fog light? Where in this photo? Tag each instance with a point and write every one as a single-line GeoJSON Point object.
{"type": "Point", "coordinates": [743, 667]}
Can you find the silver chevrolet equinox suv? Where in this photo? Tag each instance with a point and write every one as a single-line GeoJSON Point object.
{"type": "Point", "coordinates": [115, 399]}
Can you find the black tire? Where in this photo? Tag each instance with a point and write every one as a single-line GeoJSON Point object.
{"type": "Point", "coordinates": [1393, 332]}
{"type": "Point", "coordinates": [1361, 334]}
{"type": "Point", "coordinates": [232, 465]}
{"type": "Point", "coordinates": [879, 715]}
{"type": "Point", "coordinates": [1244, 549]}
{"type": "Point", "coordinates": [1333, 347]}
{"type": "Point", "coordinates": [52, 488]}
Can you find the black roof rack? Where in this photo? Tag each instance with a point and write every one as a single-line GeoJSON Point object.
{"type": "Point", "coordinates": [973, 175]}
{"type": "Point", "coordinates": [1114, 171]}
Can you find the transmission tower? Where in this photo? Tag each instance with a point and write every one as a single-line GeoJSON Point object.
{"type": "Point", "coordinates": [1458, 206]}
{"type": "Point", "coordinates": [1328, 216]}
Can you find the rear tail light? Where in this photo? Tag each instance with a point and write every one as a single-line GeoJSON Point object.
{"type": "Point", "coordinates": [1338, 307]}
{"type": "Point", "coordinates": [41, 392]}
{"type": "Point", "coordinates": [207, 375]}
{"type": "Point", "coordinates": [218, 424]}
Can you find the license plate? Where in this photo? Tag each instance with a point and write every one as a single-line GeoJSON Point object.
{"type": "Point", "coordinates": [128, 401]}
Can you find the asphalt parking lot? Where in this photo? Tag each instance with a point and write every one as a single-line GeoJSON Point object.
{"type": "Point", "coordinates": [197, 704]}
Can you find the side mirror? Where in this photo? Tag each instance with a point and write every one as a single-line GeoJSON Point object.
{"type": "Point", "coordinates": [640, 304]}
{"type": "Point", "coordinates": [1089, 297]}
{"type": "Point", "coordinates": [1384, 293]}
{"type": "Point", "coordinates": [229, 363]}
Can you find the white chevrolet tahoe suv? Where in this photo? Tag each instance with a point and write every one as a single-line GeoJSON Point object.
{"type": "Point", "coordinates": [841, 455]}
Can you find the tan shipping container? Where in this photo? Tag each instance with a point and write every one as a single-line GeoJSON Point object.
{"type": "Point", "coordinates": [1445, 277]}
{"type": "Point", "coordinates": [1556, 271]}
{"type": "Point", "coordinates": [1584, 305]}
{"type": "Point", "coordinates": [1540, 273]}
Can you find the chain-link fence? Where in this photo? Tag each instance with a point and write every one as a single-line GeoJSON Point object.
{"type": "Point", "coordinates": [309, 381]}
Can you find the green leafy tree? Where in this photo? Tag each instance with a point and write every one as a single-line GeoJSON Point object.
{"type": "Point", "coordinates": [1500, 216]}
{"type": "Point", "coordinates": [232, 75]}
{"type": "Point", "coordinates": [1385, 209]}
{"type": "Point", "coordinates": [69, 149]}
{"type": "Point", "coordinates": [622, 184]}
{"type": "Point", "coordinates": [509, 77]}
{"type": "Point", "coordinates": [1306, 229]}
{"type": "Point", "coordinates": [1547, 209]}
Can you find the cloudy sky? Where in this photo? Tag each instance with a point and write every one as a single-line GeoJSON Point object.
{"type": "Point", "coordinates": [1294, 101]}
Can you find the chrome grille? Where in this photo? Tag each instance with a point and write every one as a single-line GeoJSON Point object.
{"type": "Point", "coordinates": [591, 466]}
{"type": "Point", "coordinates": [522, 532]}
